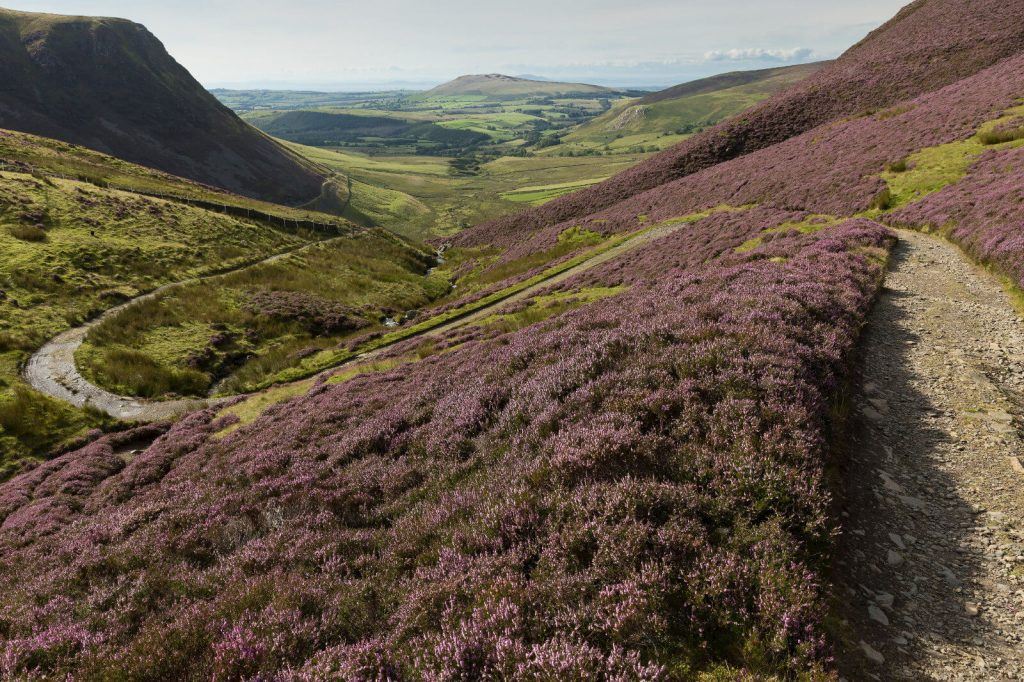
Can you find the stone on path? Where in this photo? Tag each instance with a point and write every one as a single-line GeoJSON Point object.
{"type": "Point", "coordinates": [872, 654]}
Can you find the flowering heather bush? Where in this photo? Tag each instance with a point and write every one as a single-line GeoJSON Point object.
{"type": "Point", "coordinates": [316, 314]}
{"type": "Point", "coordinates": [686, 248]}
{"type": "Point", "coordinates": [630, 491]}
{"type": "Point", "coordinates": [929, 44]}
{"type": "Point", "coordinates": [984, 212]}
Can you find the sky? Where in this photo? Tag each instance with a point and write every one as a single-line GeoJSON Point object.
{"type": "Point", "coordinates": [345, 45]}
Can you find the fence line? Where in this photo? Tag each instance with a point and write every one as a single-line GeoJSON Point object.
{"type": "Point", "coordinates": [329, 229]}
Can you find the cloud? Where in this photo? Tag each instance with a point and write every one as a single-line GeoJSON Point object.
{"type": "Point", "coordinates": [796, 54]}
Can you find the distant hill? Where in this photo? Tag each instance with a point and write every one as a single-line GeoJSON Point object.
{"type": "Point", "coordinates": [663, 118]}
{"type": "Point", "coordinates": [110, 85]}
{"type": "Point", "coordinates": [497, 85]}
{"type": "Point", "coordinates": [762, 81]}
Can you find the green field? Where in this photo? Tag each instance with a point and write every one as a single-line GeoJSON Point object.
{"type": "Point", "coordinates": [535, 196]}
{"type": "Point", "coordinates": [511, 143]}
{"type": "Point", "coordinates": [489, 114]}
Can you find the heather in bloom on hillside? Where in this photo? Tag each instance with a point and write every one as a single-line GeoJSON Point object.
{"type": "Point", "coordinates": [633, 490]}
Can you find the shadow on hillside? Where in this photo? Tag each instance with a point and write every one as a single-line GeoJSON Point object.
{"type": "Point", "coordinates": [890, 484]}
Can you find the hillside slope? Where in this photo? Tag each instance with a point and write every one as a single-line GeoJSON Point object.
{"type": "Point", "coordinates": [83, 232]}
{"type": "Point", "coordinates": [631, 476]}
{"type": "Point", "coordinates": [661, 117]}
{"type": "Point", "coordinates": [110, 85]}
{"type": "Point", "coordinates": [929, 44]}
{"type": "Point", "coordinates": [498, 85]}
{"type": "Point", "coordinates": [770, 79]}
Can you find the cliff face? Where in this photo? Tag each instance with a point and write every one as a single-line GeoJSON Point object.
{"type": "Point", "coordinates": [109, 84]}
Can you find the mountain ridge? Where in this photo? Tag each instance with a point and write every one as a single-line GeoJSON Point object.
{"type": "Point", "coordinates": [110, 85]}
{"type": "Point", "coordinates": [725, 80]}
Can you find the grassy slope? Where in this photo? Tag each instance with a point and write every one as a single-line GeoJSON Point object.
{"type": "Point", "coordinates": [192, 337]}
{"type": "Point", "coordinates": [665, 118]}
{"type": "Point", "coordinates": [419, 198]}
{"type": "Point", "coordinates": [26, 152]}
{"type": "Point", "coordinates": [73, 248]}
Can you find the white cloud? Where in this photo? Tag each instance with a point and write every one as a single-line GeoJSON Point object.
{"type": "Point", "coordinates": [759, 54]}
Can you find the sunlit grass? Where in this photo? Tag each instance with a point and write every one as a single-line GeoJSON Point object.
{"type": "Point", "coordinates": [931, 169]}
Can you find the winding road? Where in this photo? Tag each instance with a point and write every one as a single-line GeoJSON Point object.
{"type": "Point", "coordinates": [52, 369]}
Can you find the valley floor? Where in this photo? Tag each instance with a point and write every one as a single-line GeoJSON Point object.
{"type": "Point", "coordinates": [931, 571]}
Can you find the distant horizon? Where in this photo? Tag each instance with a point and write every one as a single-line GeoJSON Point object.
{"type": "Point", "coordinates": [341, 46]}
{"type": "Point", "coordinates": [412, 85]}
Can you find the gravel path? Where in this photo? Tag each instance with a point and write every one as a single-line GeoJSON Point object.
{"type": "Point", "coordinates": [931, 569]}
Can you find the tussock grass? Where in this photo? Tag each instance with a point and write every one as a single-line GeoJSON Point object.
{"type": "Point", "coordinates": [32, 424]}
{"type": "Point", "coordinates": [933, 168]}
{"type": "Point", "coordinates": [27, 233]}
{"type": "Point", "coordinates": [541, 308]}
{"type": "Point", "coordinates": [1001, 136]}
{"type": "Point", "coordinates": [882, 201]}
{"type": "Point", "coordinates": [569, 241]}
{"type": "Point", "coordinates": [147, 377]}
{"type": "Point", "coordinates": [809, 225]}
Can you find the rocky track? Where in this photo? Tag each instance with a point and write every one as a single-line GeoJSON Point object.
{"type": "Point", "coordinates": [931, 568]}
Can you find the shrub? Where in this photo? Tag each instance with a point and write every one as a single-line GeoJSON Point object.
{"type": "Point", "coordinates": [629, 490]}
{"type": "Point", "coordinates": [897, 166]}
{"type": "Point", "coordinates": [27, 233]}
{"type": "Point", "coordinates": [34, 424]}
{"type": "Point", "coordinates": [1002, 135]}
{"type": "Point", "coordinates": [143, 376]}
{"type": "Point", "coordinates": [317, 315]}
{"type": "Point", "coordinates": [883, 200]}
{"type": "Point", "coordinates": [10, 341]}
